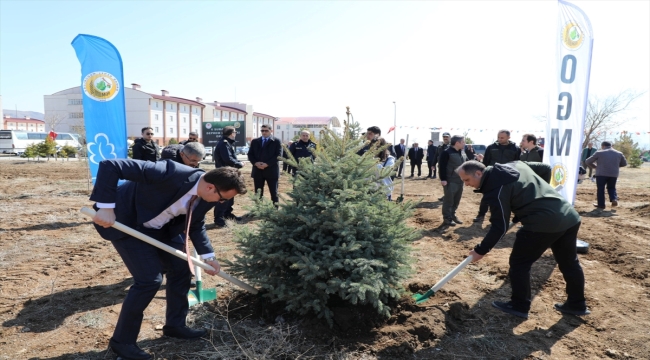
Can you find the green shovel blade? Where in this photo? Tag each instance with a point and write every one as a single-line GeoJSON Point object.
{"type": "Point", "coordinates": [420, 298]}
{"type": "Point", "coordinates": [200, 295]}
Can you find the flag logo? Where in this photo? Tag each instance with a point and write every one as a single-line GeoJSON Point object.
{"type": "Point", "coordinates": [572, 36]}
{"type": "Point", "coordinates": [208, 126]}
{"type": "Point", "coordinates": [101, 86]}
{"type": "Point", "coordinates": [558, 175]}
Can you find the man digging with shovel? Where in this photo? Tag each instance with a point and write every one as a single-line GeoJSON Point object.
{"type": "Point", "coordinates": [547, 219]}
{"type": "Point", "coordinates": [168, 202]}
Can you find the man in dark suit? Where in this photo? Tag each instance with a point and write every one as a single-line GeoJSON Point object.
{"type": "Point", "coordinates": [224, 155]}
{"type": "Point", "coordinates": [154, 201]}
{"type": "Point", "coordinates": [432, 158]}
{"type": "Point", "coordinates": [145, 148]}
{"type": "Point", "coordinates": [400, 150]}
{"type": "Point", "coordinates": [416, 154]}
{"type": "Point", "coordinates": [263, 154]}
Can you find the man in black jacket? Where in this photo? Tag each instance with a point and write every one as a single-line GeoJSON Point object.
{"type": "Point", "coordinates": [191, 154]}
{"type": "Point", "coordinates": [263, 154]}
{"type": "Point", "coordinates": [145, 148]}
{"type": "Point", "coordinates": [432, 158]}
{"type": "Point", "coordinates": [415, 156]}
{"type": "Point", "coordinates": [530, 151]}
{"type": "Point", "coordinates": [400, 151]}
{"type": "Point", "coordinates": [224, 155]}
{"type": "Point", "coordinates": [451, 183]}
{"type": "Point", "coordinates": [193, 136]}
{"type": "Point", "coordinates": [441, 148]}
{"type": "Point", "coordinates": [547, 219]}
{"type": "Point", "coordinates": [502, 151]}
{"type": "Point", "coordinates": [302, 148]}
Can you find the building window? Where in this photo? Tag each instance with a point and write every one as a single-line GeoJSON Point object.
{"type": "Point", "coordinates": [184, 120]}
{"type": "Point", "coordinates": [184, 108]}
{"type": "Point", "coordinates": [241, 116]}
{"type": "Point", "coordinates": [278, 127]}
{"type": "Point", "coordinates": [155, 117]}
{"type": "Point", "coordinates": [75, 115]}
{"type": "Point", "coordinates": [156, 102]}
{"type": "Point", "coordinates": [171, 118]}
{"type": "Point", "coordinates": [217, 114]}
{"type": "Point", "coordinates": [155, 129]}
{"type": "Point", "coordinates": [171, 106]}
{"type": "Point", "coordinates": [196, 110]}
{"type": "Point", "coordinates": [171, 130]}
{"type": "Point", "coordinates": [196, 121]}
{"type": "Point", "coordinates": [184, 131]}
{"type": "Point", "coordinates": [75, 101]}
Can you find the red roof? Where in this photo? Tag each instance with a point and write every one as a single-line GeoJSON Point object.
{"type": "Point", "coordinates": [22, 120]}
{"type": "Point", "coordinates": [260, 114]}
{"type": "Point", "coordinates": [303, 120]}
{"type": "Point", "coordinates": [229, 108]}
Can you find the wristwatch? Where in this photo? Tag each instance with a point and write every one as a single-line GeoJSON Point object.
{"type": "Point", "coordinates": [212, 258]}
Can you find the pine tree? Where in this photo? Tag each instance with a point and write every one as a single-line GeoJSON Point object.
{"type": "Point", "coordinates": [46, 148]}
{"type": "Point", "coordinates": [629, 148]}
{"type": "Point", "coordinates": [334, 236]}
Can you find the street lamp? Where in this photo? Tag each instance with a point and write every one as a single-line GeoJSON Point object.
{"type": "Point", "coordinates": [395, 124]}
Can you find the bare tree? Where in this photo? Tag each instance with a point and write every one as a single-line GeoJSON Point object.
{"type": "Point", "coordinates": [53, 119]}
{"type": "Point", "coordinates": [603, 114]}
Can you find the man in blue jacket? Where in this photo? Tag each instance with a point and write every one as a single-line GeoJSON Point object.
{"type": "Point", "coordinates": [224, 155]}
{"type": "Point", "coordinates": [155, 201]}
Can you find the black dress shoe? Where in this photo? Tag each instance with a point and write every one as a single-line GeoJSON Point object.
{"type": "Point", "coordinates": [183, 332]}
{"type": "Point", "coordinates": [566, 309]}
{"type": "Point", "coordinates": [507, 307]}
{"type": "Point", "coordinates": [128, 351]}
{"type": "Point", "coordinates": [234, 218]}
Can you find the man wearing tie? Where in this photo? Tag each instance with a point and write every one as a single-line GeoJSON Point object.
{"type": "Point", "coordinates": [416, 154]}
{"type": "Point", "coordinates": [400, 151]}
{"type": "Point", "coordinates": [167, 201]}
{"type": "Point", "coordinates": [263, 154]}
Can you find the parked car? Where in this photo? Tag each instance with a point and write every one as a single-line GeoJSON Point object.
{"type": "Point", "coordinates": [243, 150]}
{"type": "Point", "coordinates": [16, 141]}
{"type": "Point", "coordinates": [479, 149]}
{"type": "Point", "coordinates": [208, 152]}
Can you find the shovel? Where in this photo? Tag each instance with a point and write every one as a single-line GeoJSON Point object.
{"type": "Point", "coordinates": [149, 240]}
{"type": "Point", "coordinates": [420, 298]}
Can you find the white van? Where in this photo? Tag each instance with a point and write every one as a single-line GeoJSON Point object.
{"type": "Point", "coordinates": [15, 142]}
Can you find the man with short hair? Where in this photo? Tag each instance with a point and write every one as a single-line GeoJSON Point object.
{"type": "Point", "coordinates": [302, 148]}
{"type": "Point", "coordinates": [191, 154]}
{"type": "Point", "coordinates": [372, 135]}
{"type": "Point", "coordinates": [588, 152]}
{"type": "Point", "coordinates": [415, 155]}
{"type": "Point", "coordinates": [530, 150]}
{"type": "Point", "coordinates": [263, 154]}
{"type": "Point", "coordinates": [168, 202]}
{"type": "Point", "coordinates": [193, 136]}
{"type": "Point", "coordinates": [452, 185]}
{"type": "Point", "coordinates": [432, 157]}
{"type": "Point", "coordinates": [442, 148]}
{"type": "Point", "coordinates": [500, 152]}
{"type": "Point", "coordinates": [547, 219]}
{"type": "Point", "coordinates": [400, 151]}
{"type": "Point", "coordinates": [145, 148]}
{"type": "Point", "coordinates": [224, 155]}
{"type": "Point", "coordinates": [607, 162]}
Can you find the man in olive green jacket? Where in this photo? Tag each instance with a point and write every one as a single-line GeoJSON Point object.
{"type": "Point", "coordinates": [547, 220]}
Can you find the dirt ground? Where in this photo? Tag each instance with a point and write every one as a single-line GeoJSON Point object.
{"type": "Point", "coordinates": [61, 286]}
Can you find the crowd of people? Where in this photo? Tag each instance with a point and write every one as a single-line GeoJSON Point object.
{"type": "Point", "coordinates": [168, 201]}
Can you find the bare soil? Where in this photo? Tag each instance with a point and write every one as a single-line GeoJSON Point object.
{"type": "Point", "coordinates": [61, 286]}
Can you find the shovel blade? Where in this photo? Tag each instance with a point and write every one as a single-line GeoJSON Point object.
{"type": "Point", "coordinates": [420, 298]}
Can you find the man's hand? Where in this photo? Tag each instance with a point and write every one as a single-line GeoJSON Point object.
{"type": "Point", "coordinates": [475, 256]}
{"type": "Point", "coordinates": [215, 265]}
{"type": "Point", "coordinates": [104, 217]}
{"type": "Point", "coordinates": [443, 182]}
{"type": "Point", "coordinates": [479, 157]}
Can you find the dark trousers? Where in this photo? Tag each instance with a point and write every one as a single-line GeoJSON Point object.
{"type": "Point", "coordinates": [432, 168]}
{"type": "Point", "coordinates": [272, 181]}
{"type": "Point", "coordinates": [483, 207]}
{"type": "Point", "coordinates": [419, 166]}
{"type": "Point", "coordinates": [529, 247]}
{"type": "Point", "coordinates": [603, 182]}
{"type": "Point", "coordinates": [453, 192]}
{"type": "Point", "coordinates": [399, 170]}
{"type": "Point", "coordinates": [224, 210]}
{"type": "Point", "coordinates": [146, 263]}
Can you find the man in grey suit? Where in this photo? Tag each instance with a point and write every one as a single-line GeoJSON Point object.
{"type": "Point", "coordinates": [607, 162]}
{"type": "Point", "coordinates": [155, 201]}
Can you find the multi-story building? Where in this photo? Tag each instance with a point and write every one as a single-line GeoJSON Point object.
{"type": "Point", "coordinates": [169, 116]}
{"type": "Point", "coordinates": [23, 124]}
{"type": "Point", "coordinates": [287, 128]}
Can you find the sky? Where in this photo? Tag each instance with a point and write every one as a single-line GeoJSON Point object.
{"type": "Point", "coordinates": [422, 64]}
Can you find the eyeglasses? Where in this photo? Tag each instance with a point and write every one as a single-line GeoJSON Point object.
{"type": "Point", "coordinates": [265, 130]}
{"type": "Point", "coordinates": [222, 200]}
{"type": "Point", "coordinates": [148, 133]}
{"type": "Point", "coordinates": [194, 162]}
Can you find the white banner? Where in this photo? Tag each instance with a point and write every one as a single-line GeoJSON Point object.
{"type": "Point", "coordinates": [568, 97]}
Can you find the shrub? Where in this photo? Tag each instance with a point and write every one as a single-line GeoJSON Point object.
{"type": "Point", "coordinates": [336, 236]}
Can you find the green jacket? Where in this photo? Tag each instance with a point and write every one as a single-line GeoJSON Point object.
{"type": "Point", "coordinates": [587, 153]}
{"type": "Point", "coordinates": [522, 189]}
{"type": "Point", "coordinates": [535, 154]}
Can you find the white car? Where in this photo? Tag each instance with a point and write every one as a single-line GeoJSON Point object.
{"type": "Point", "coordinates": [208, 152]}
